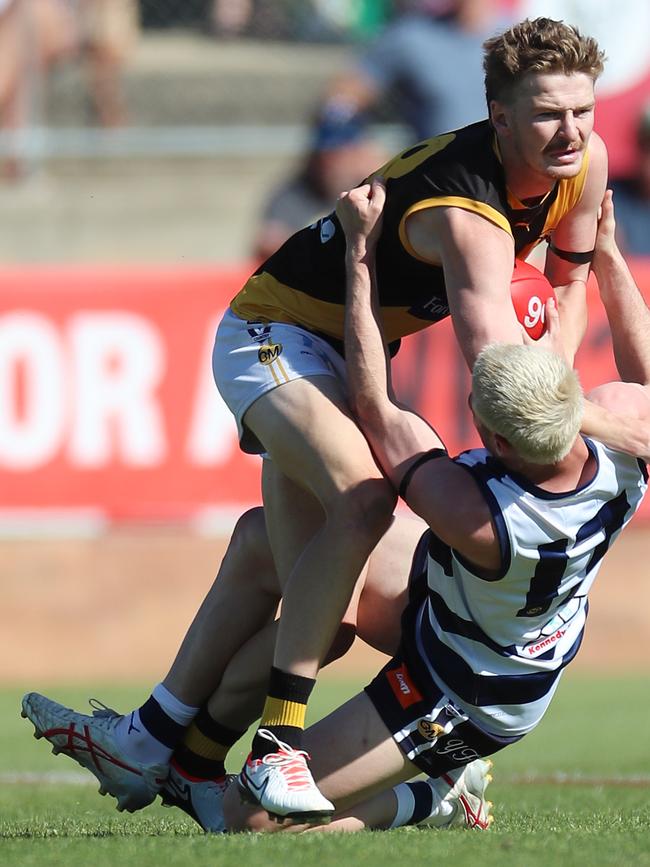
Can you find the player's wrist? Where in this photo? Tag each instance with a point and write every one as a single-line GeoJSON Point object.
{"type": "Point", "coordinates": [607, 258]}
{"type": "Point", "coordinates": [358, 255]}
{"type": "Point", "coordinates": [614, 279]}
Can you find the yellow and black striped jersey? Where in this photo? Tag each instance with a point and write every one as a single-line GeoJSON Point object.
{"type": "Point", "coordinates": [304, 281]}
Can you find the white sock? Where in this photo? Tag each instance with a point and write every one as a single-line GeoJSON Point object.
{"type": "Point", "coordinates": [138, 743]}
{"type": "Point", "coordinates": [181, 713]}
{"type": "Point", "coordinates": [409, 796]}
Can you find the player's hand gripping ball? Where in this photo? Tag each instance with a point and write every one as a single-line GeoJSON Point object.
{"type": "Point", "coordinates": [530, 290]}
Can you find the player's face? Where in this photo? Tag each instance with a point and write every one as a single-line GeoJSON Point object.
{"type": "Point", "coordinates": [545, 128]}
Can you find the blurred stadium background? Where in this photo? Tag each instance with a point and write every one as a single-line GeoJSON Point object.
{"type": "Point", "coordinates": [124, 235]}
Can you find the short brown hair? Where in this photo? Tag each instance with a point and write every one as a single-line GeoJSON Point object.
{"type": "Point", "coordinates": [540, 45]}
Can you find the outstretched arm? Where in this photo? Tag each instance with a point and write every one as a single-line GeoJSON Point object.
{"type": "Point", "coordinates": [409, 451]}
{"type": "Point", "coordinates": [567, 259]}
{"type": "Point", "coordinates": [396, 435]}
{"type": "Point", "coordinates": [627, 312]}
{"type": "Point", "coordinates": [619, 413]}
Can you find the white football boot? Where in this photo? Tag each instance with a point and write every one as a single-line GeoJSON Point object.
{"type": "Point", "coordinates": [200, 799]}
{"type": "Point", "coordinates": [282, 784]}
{"type": "Point", "coordinates": [91, 742]}
{"type": "Point", "coordinates": [465, 791]}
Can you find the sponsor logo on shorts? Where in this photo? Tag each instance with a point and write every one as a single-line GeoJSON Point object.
{"type": "Point", "coordinates": [531, 612]}
{"type": "Point", "coordinates": [269, 353]}
{"type": "Point", "coordinates": [403, 687]}
{"type": "Point", "coordinates": [258, 332]}
{"type": "Point", "coordinates": [457, 750]}
{"type": "Point", "coordinates": [543, 644]}
{"type": "Point", "coordinates": [430, 730]}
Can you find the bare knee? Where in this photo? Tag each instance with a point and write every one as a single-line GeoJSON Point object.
{"type": "Point", "coordinates": [249, 548]}
{"type": "Point", "coordinates": [364, 510]}
{"type": "Point", "coordinates": [250, 533]}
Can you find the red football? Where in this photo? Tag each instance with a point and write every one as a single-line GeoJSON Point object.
{"type": "Point", "coordinates": [530, 290]}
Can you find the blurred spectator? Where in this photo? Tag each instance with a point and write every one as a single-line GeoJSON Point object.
{"type": "Point", "coordinates": [12, 75]}
{"type": "Point", "coordinates": [342, 20]}
{"type": "Point", "coordinates": [230, 17]}
{"type": "Point", "coordinates": [632, 197]}
{"type": "Point", "coordinates": [310, 20]}
{"type": "Point", "coordinates": [34, 35]}
{"type": "Point", "coordinates": [341, 154]}
{"type": "Point", "coordinates": [429, 60]}
{"type": "Point", "coordinates": [107, 32]}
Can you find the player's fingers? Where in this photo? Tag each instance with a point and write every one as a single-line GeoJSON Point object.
{"type": "Point", "coordinates": [552, 317]}
{"type": "Point", "coordinates": [606, 210]}
{"type": "Point", "coordinates": [378, 190]}
{"type": "Point", "coordinates": [362, 192]}
{"type": "Point", "coordinates": [553, 335]}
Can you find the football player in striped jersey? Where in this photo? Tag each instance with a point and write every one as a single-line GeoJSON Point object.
{"type": "Point", "coordinates": [499, 587]}
{"type": "Point", "coordinates": [499, 582]}
{"type": "Point", "coordinates": [534, 171]}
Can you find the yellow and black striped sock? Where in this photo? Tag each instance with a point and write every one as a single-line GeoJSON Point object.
{"type": "Point", "coordinates": [204, 748]}
{"type": "Point", "coordinates": [284, 710]}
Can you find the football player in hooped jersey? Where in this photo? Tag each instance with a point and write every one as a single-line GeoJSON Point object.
{"type": "Point", "coordinates": [518, 540]}
{"type": "Point", "coordinates": [499, 581]}
{"type": "Point", "coordinates": [459, 209]}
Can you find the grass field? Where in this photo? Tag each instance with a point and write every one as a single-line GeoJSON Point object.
{"type": "Point", "coordinates": [576, 792]}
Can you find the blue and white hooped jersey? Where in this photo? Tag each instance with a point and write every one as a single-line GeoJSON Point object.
{"type": "Point", "coordinates": [498, 646]}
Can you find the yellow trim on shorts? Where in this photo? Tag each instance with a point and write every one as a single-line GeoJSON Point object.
{"type": "Point", "coordinates": [282, 370]}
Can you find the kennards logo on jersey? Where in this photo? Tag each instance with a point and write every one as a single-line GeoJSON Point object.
{"type": "Point", "coordinates": [536, 648]}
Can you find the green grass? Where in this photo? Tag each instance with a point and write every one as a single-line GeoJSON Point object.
{"type": "Point", "coordinates": [597, 733]}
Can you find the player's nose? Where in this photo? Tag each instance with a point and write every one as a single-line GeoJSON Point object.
{"type": "Point", "coordinates": [569, 127]}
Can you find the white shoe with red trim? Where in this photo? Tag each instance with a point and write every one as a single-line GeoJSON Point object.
{"type": "Point", "coordinates": [282, 784]}
{"type": "Point", "coordinates": [91, 742]}
{"type": "Point", "coordinates": [467, 796]}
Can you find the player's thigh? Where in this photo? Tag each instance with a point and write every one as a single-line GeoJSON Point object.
{"type": "Point", "coordinates": [385, 589]}
{"type": "Point", "coordinates": [353, 753]}
{"type": "Point", "coordinates": [309, 433]}
{"type": "Point", "coordinates": [286, 388]}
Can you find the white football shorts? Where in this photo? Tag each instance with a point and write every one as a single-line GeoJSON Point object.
{"type": "Point", "coordinates": [251, 358]}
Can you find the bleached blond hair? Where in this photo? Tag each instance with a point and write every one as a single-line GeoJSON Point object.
{"type": "Point", "coordinates": [531, 397]}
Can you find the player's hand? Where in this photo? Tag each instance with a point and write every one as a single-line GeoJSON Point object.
{"type": "Point", "coordinates": [605, 247]}
{"type": "Point", "coordinates": [552, 338]}
{"type": "Point", "coordinates": [360, 214]}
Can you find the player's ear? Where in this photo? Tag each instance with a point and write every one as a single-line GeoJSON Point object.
{"type": "Point", "coordinates": [501, 445]}
{"type": "Point", "coordinates": [499, 115]}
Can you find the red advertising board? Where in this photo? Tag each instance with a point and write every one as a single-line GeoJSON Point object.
{"type": "Point", "coordinates": [107, 401]}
